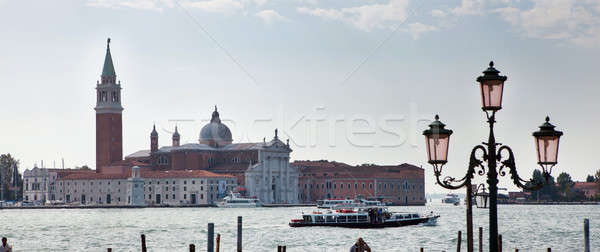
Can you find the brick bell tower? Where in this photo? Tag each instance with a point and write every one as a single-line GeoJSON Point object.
{"type": "Point", "coordinates": [109, 127]}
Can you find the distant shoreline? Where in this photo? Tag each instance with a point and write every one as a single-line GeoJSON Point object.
{"type": "Point", "coordinates": [153, 206]}
{"type": "Point", "coordinates": [550, 203]}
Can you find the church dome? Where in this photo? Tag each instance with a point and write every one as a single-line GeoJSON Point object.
{"type": "Point", "coordinates": [215, 133]}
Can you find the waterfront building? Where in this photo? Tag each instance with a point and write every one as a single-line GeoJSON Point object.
{"type": "Point", "coordinates": [591, 190]}
{"type": "Point", "coordinates": [145, 187]}
{"type": "Point", "coordinates": [39, 184]}
{"type": "Point", "coordinates": [402, 184]}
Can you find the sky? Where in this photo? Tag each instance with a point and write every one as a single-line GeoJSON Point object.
{"type": "Point", "coordinates": [345, 80]}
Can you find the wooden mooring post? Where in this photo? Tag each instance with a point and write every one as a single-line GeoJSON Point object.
{"type": "Point", "coordinates": [210, 246]}
{"type": "Point", "coordinates": [586, 235]}
{"type": "Point", "coordinates": [549, 250]}
{"type": "Point", "coordinates": [421, 250]}
{"type": "Point", "coordinates": [459, 241]}
{"type": "Point", "coordinates": [281, 248]}
{"type": "Point", "coordinates": [192, 248]}
{"type": "Point", "coordinates": [218, 242]}
{"type": "Point", "coordinates": [480, 239]}
{"type": "Point", "coordinates": [239, 234]}
{"type": "Point", "coordinates": [109, 250]}
{"type": "Point", "coordinates": [144, 243]}
{"type": "Point", "coordinates": [499, 243]}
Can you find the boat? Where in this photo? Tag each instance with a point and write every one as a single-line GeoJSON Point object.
{"type": "Point", "coordinates": [369, 217]}
{"type": "Point", "coordinates": [347, 203]}
{"type": "Point", "coordinates": [451, 199]}
{"type": "Point", "coordinates": [235, 200]}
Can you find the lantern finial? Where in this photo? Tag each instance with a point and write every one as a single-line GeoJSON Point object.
{"type": "Point", "coordinates": [547, 118]}
{"type": "Point", "coordinates": [491, 63]}
{"type": "Point", "coordinates": [437, 117]}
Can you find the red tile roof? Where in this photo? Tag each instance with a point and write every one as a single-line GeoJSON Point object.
{"type": "Point", "coordinates": [150, 174]}
{"type": "Point", "coordinates": [586, 186]}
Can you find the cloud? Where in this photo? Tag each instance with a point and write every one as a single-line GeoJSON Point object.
{"type": "Point", "coordinates": [416, 29]}
{"type": "Point", "coordinates": [226, 7]}
{"type": "Point", "coordinates": [438, 13]}
{"type": "Point", "coordinates": [364, 17]}
{"type": "Point", "coordinates": [469, 7]}
{"type": "Point", "coordinates": [577, 22]}
{"type": "Point", "coordinates": [134, 4]}
{"type": "Point", "coordinates": [216, 6]}
{"type": "Point", "coordinates": [270, 16]}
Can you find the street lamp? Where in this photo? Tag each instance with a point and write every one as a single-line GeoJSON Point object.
{"type": "Point", "coordinates": [437, 138]}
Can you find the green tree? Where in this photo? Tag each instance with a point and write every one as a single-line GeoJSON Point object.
{"type": "Point", "coordinates": [548, 192]}
{"type": "Point", "coordinates": [590, 178]}
{"type": "Point", "coordinates": [597, 176]}
{"type": "Point", "coordinates": [7, 163]}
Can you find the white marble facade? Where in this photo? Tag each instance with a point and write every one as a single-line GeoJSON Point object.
{"type": "Point", "coordinates": [272, 179]}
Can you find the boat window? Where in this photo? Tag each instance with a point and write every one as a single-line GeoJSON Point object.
{"type": "Point", "coordinates": [319, 219]}
{"type": "Point", "coordinates": [307, 218]}
{"type": "Point", "coordinates": [415, 216]}
{"type": "Point", "coordinates": [352, 218]}
{"type": "Point", "coordinates": [341, 219]}
{"type": "Point", "coordinates": [330, 218]}
{"type": "Point", "coordinates": [362, 218]}
{"type": "Point", "coordinates": [399, 217]}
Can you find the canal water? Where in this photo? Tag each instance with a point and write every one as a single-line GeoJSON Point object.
{"type": "Point", "coordinates": [529, 228]}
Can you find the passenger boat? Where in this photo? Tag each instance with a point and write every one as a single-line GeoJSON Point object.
{"type": "Point", "coordinates": [451, 199]}
{"type": "Point", "coordinates": [235, 200]}
{"type": "Point", "coordinates": [371, 217]}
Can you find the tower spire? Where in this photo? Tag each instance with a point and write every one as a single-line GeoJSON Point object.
{"type": "Point", "coordinates": [108, 69]}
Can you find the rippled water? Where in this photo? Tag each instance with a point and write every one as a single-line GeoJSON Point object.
{"type": "Point", "coordinates": [529, 228]}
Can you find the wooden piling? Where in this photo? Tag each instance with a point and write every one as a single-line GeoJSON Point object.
{"type": "Point", "coordinates": [144, 243]}
{"type": "Point", "coordinates": [586, 235]}
{"type": "Point", "coordinates": [239, 234]}
{"type": "Point", "coordinates": [192, 248]}
{"type": "Point", "coordinates": [278, 248]}
{"type": "Point", "coordinates": [549, 250]}
{"type": "Point", "coordinates": [480, 239]}
{"type": "Point", "coordinates": [283, 248]}
{"type": "Point", "coordinates": [210, 246]}
{"type": "Point", "coordinates": [421, 250]}
{"type": "Point", "coordinates": [516, 250]}
{"type": "Point", "coordinates": [459, 241]}
{"type": "Point", "coordinates": [499, 243]}
{"type": "Point", "coordinates": [109, 250]}
{"type": "Point", "coordinates": [218, 242]}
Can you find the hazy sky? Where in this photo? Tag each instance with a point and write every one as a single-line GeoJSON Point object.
{"type": "Point", "coordinates": [351, 81]}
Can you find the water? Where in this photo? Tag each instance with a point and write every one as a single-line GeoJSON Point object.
{"type": "Point", "coordinates": [529, 228]}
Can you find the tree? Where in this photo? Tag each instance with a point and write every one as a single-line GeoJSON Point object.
{"type": "Point", "coordinates": [548, 192]}
{"type": "Point", "coordinates": [564, 181]}
{"type": "Point", "coordinates": [590, 178]}
{"type": "Point", "coordinates": [7, 163]}
{"type": "Point", "coordinates": [597, 176]}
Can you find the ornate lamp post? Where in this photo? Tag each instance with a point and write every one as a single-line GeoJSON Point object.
{"type": "Point", "coordinates": [438, 137]}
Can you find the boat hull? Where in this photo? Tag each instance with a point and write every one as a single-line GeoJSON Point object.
{"type": "Point", "coordinates": [387, 224]}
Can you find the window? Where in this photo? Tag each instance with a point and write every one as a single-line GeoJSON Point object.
{"type": "Point", "coordinates": [166, 196]}
{"type": "Point", "coordinates": [341, 185]}
{"type": "Point", "coordinates": [355, 185]}
{"type": "Point", "coordinates": [184, 189]}
{"type": "Point", "coordinates": [363, 185]}
{"type": "Point", "coordinates": [173, 188]}
{"type": "Point", "coordinates": [167, 182]}
{"type": "Point", "coordinates": [370, 185]}
{"type": "Point", "coordinates": [184, 182]}
{"type": "Point", "coordinates": [349, 186]}
{"type": "Point", "coordinates": [185, 196]}
{"type": "Point", "coordinates": [173, 196]}
{"type": "Point", "coordinates": [193, 182]}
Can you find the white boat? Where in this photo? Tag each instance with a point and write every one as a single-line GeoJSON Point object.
{"type": "Point", "coordinates": [370, 217]}
{"type": "Point", "coordinates": [451, 199]}
{"type": "Point", "coordinates": [235, 200]}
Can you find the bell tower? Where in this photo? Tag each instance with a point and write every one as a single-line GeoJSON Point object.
{"type": "Point", "coordinates": [109, 128]}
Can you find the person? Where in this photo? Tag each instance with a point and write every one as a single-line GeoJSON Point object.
{"type": "Point", "coordinates": [5, 247]}
{"type": "Point", "coordinates": [360, 246]}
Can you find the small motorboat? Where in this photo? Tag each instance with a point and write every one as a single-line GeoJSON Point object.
{"type": "Point", "coordinates": [368, 217]}
{"type": "Point", "coordinates": [235, 200]}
